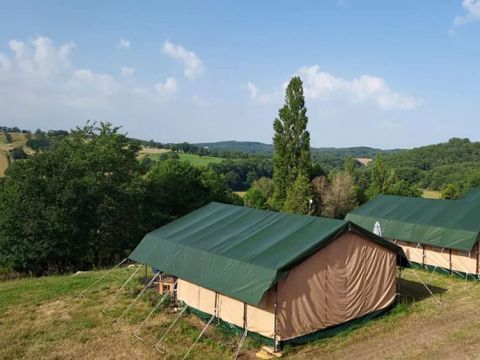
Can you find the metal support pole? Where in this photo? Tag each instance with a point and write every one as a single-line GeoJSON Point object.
{"type": "Point", "coordinates": [275, 340]}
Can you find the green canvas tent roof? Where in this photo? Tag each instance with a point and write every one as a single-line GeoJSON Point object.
{"type": "Point", "coordinates": [472, 195]}
{"type": "Point", "coordinates": [452, 224]}
{"type": "Point", "coordinates": [238, 251]}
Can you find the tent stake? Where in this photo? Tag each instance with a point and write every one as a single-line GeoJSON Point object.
{"type": "Point", "coordinates": [138, 297]}
{"type": "Point", "coordinates": [102, 277]}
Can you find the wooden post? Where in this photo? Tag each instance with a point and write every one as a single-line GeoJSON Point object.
{"type": "Point", "coordinates": [423, 255]}
{"type": "Point", "coordinates": [215, 310]}
{"type": "Point", "coordinates": [275, 341]}
{"type": "Point", "coordinates": [245, 316]}
{"type": "Point", "coordinates": [450, 260]}
{"type": "Point", "coordinates": [478, 255]}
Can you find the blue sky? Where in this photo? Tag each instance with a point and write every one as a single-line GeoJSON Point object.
{"type": "Point", "coordinates": [376, 73]}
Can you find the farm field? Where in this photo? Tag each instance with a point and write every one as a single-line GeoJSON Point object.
{"type": "Point", "coordinates": [18, 140]}
{"type": "Point", "coordinates": [431, 194]}
{"type": "Point", "coordinates": [153, 153]}
{"type": "Point", "coordinates": [195, 160]}
{"type": "Point", "coordinates": [3, 162]}
{"type": "Point", "coordinates": [46, 318]}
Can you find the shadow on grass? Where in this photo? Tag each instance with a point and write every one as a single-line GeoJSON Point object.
{"type": "Point", "coordinates": [412, 291]}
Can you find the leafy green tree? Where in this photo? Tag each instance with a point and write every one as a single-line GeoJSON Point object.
{"type": "Point", "coordinates": [251, 176]}
{"type": "Point", "coordinates": [452, 192]}
{"type": "Point", "coordinates": [291, 142]}
{"type": "Point", "coordinates": [78, 205]}
{"type": "Point", "coordinates": [341, 196]}
{"type": "Point", "coordinates": [320, 187]}
{"type": "Point", "coordinates": [299, 197]}
{"type": "Point", "coordinates": [177, 188]}
{"type": "Point", "coordinates": [350, 165]}
{"type": "Point", "coordinates": [259, 194]}
{"type": "Point", "coordinates": [317, 171]}
{"type": "Point", "coordinates": [403, 188]}
{"type": "Point", "coordinates": [381, 178]}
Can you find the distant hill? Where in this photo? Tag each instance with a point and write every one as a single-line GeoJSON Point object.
{"type": "Point", "coordinates": [258, 148]}
{"type": "Point", "coordinates": [434, 166]}
{"type": "Point", "coordinates": [249, 147]}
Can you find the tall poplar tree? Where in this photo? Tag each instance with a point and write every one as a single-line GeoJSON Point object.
{"type": "Point", "coordinates": [291, 142]}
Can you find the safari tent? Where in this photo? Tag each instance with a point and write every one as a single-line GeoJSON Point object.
{"type": "Point", "coordinates": [284, 277]}
{"type": "Point", "coordinates": [436, 234]}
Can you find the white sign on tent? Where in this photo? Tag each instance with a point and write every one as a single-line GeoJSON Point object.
{"type": "Point", "coordinates": [377, 229]}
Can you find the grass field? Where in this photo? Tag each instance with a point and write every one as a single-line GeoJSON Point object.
{"type": "Point", "coordinates": [195, 160]}
{"type": "Point", "coordinates": [431, 194]}
{"type": "Point", "coordinates": [154, 153]}
{"type": "Point", "coordinates": [46, 318]}
{"type": "Point", "coordinates": [18, 140]}
{"type": "Point", "coordinates": [3, 162]}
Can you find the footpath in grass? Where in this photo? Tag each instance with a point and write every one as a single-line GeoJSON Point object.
{"type": "Point", "coordinates": [47, 318]}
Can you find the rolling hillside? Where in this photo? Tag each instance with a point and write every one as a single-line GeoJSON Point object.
{"type": "Point", "coordinates": [46, 318]}
{"type": "Point", "coordinates": [434, 166]}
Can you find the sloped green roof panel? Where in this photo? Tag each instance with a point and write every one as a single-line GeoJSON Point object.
{"type": "Point", "coordinates": [240, 252]}
{"type": "Point", "coordinates": [472, 195]}
{"type": "Point", "coordinates": [449, 224]}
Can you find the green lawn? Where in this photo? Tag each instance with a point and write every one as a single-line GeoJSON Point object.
{"type": "Point", "coordinates": [196, 160]}
{"type": "Point", "coordinates": [47, 318]}
{"type": "Point", "coordinates": [199, 160]}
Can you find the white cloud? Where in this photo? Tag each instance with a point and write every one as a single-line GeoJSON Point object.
{"type": "Point", "coordinates": [261, 97]}
{"type": "Point", "coordinates": [127, 71]}
{"type": "Point", "coordinates": [201, 103]}
{"type": "Point", "coordinates": [168, 87]}
{"type": "Point", "coordinates": [472, 7]}
{"type": "Point", "coordinates": [193, 65]}
{"type": "Point", "coordinates": [37, 76]}
{"type": "Point", "coordinates": [124, 43]}
{"type": "Point", "coordinates": [364, 89]}
{"type": "Point", "coordinates": [5, 63]}
{"type": "Point", "coordinates": [41, 56]}
{"type": "Point", "coordinates": [252, 88]}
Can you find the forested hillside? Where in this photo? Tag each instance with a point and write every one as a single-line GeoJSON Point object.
{"type": "Point", "coordinates": [435, 166]}
{"type": "Point", "coordinates": [259, 148]}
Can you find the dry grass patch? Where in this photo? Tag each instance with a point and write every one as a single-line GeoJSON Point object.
{"type": "Point", "coordinates": [4, 163]}
{"type": "Point", "coordinates": [364, 161]}
{"type": "Point", "coordinates": [145, 151]}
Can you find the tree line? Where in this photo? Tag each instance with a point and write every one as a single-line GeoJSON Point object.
{"type": "Point", "coordinates": [87, 201]}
